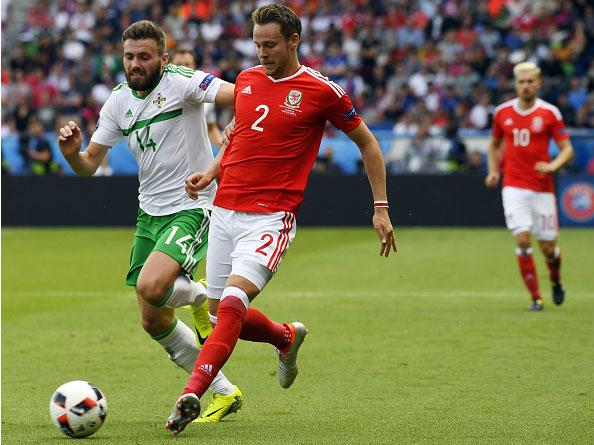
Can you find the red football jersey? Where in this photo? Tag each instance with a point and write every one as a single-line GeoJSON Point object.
{"type": "Point", "coordinates": [279, 125]}
{"type": "Point", "coordinates": [527, 134]}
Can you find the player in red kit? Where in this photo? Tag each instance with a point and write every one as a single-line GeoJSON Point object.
{"type": "Point", "coordinates": [281, 108]}
{"type": "Point", "coordinates": [526, 125]}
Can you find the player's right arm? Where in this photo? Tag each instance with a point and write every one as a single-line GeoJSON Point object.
{"type": "Point", "coordinates": [493, 162]}
{"type": "Point", "coordinates": [83, 163]}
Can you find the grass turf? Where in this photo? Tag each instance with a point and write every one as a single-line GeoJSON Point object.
{"type": "Point", "coordinates": [430, 346]}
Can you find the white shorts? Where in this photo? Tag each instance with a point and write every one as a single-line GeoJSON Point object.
{"type": "Point", "coordinates": [529, 211]}
{"type": "Point", "coordinates": [250, 245]}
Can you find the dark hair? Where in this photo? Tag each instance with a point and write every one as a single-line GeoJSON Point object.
{"type": "Point", "coordinates": [185, 50]}
{"type": "Point", "coordinates": [145, 29]}
{"type": "Point", "coordinates": [281, 14]}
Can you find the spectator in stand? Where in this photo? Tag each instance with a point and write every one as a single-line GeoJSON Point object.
{"type": "Point", "coordinates": [450, 100]}
{"type": "Point", "coordinates": [38, 153]}
{"type": "Point", "coordinates": [480, 113]}
{"type": "Point", "coordinates": [577, 95]}
{"type": "Point", "coordinates": [372, 48]}
{"type": "Point", "coordinates": [475, 164]}
{"type": "Point", "coordinates": [22, 116]}
{"type": "Point", "coordinates": [421, 154]}
{"type": "Point", "coordinates": [567, 111]}
{"type": "Point", "coordinates": [406, 126]}
{"type": "Point", "coordinates": [336, 63]}
{"type": "Point", "coordinates": [585, 115]}
{"type": "Point", "coordinates": [457, 157]}
{"type": "Point", "coordinates": [419, 82]}
{"type": "Point", "coordinates": [326, 162]}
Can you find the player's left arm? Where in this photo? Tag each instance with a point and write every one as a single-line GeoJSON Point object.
{"type": "Point", "coordinates": [376, 172]}
{"type": "Point", "coordinates": [565, 155]}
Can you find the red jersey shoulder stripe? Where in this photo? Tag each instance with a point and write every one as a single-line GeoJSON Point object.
{"type": "Point", "coordinates": [318, 76]}
{"type": "Point", "coordinates": [552, 108]}
{"type": "Point", "coordinates": [509, 103]}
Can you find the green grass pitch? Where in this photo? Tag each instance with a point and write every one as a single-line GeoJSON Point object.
{"type": "Point", "coordinates": [430, 346]}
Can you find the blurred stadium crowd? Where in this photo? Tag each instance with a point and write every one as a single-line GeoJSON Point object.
{"type": "Point", "coordinates": [408, 65]}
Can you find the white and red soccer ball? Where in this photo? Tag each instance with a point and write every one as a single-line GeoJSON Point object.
{"type": "Point", "coordinates": [78, 408]}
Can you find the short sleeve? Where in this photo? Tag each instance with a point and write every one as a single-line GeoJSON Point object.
{"type": "Point", "coordinates": [202, 87]}
{"type": "Point", "coordinates": [496, 132]}
{"type": "Point", "coordinates": [342, 114]}
{"type": "Point", "coordinates": [210, 112]}
{"type": "Point", "coordinates": [559, 132]}
{"type": "Point", "coordinates": [108, 131]}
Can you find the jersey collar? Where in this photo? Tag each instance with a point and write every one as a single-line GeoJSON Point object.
{"type": "Point", "coordinates": [516, 105]}
{"type": "Point", "coordinates": [283, 79]}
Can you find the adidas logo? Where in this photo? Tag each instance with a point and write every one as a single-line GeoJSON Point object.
{"type": "Point", "coordinates": [247, 90]}
{"type": "Point", "coordinates": [508, 121]}
{"type": "Point", "coordinates": [128, 114]}
{"type": "Point", "coordinates": [206, 368]}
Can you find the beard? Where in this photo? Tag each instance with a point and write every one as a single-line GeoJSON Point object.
{"type": "Point", "coordinates": [148, 82]}
{"type": "Point", "coordinates": [528, 96]}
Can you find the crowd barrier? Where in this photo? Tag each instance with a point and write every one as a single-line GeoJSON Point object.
{"type": "Point", "coordinates": [330, 200]}
{"type": "Point", "coordinates": [122, 162]}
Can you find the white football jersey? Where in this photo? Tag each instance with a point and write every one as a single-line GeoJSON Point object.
{"type": "Point", "coordinates": [211, 113]}
{"type": "Point", "coordinates": [167, 132]}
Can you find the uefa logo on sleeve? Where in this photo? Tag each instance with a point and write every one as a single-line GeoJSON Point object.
{"type": "Point", "coordinates": [577, 201]}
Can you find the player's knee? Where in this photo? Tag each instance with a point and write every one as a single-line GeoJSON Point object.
{"type": "Point", "coordinates": [548, 250]}
{"type": "Point", "coordinates": [523, 242]}
{"type": "Point", "coordinates": [155, 326]}
{"type": "Point", "coordinates": [150, 291]}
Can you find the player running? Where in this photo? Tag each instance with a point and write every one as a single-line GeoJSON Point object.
{"type": "Point", "coordinates": [527, 125]}
{"type": "Point", "coordinates": [281, 108]}
{"type": "Point", "coordinates": [160, 113]}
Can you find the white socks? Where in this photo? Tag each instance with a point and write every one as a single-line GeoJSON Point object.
{"type": "Point", "coordinates": [180, 343]}
{"type": "Point", "coordinates": [185, 292]}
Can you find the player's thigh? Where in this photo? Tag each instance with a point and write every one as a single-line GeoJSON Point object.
{"type": "Point", "coordinates": [218, 257]}
{"type": "Point", "coordinates": [184, 238]}
{"type": "Point", "coordinates": [157, 276]}
{"type": "Point", "coordinates": [263, 241]}
{"type": "Point", "coordinates": [141, 249]}
{"type": "Point", "coordinates": [544, 209]}
{"type": "Point", "coordinates": [145, 238]}
{"type": "Point", "coordinates": [517, 209]}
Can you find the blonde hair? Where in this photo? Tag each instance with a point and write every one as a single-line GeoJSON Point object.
{"type": "Point", "coordinates": [526, 66]}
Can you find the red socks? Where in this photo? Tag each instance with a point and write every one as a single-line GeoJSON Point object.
{"type": "Point", "coordinates": [217, 349]}
{"type": "Point", "coordinates": [233, 322]}
{"type": "Point", "coordinates": [528, 271]}
{"type": "Point", "coordinates": [259, 328]}
{"type": "Point", "coordinates": [554, 265]}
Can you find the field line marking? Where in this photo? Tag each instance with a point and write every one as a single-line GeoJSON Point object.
{"type": "Point", "coordinates": [303, 293]}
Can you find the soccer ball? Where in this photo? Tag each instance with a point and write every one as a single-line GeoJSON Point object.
{"type": "Point", "coordinates": [78, 408]}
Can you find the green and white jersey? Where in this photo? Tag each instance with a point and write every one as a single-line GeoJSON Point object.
{"type": "Point", "coordinates": [167, 132]}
